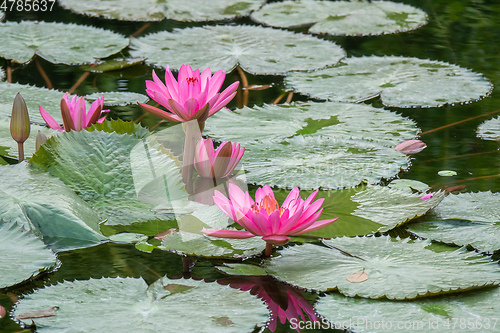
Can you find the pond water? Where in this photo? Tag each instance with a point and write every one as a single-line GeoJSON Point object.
{"type": "Point", "coordinates": [465, 33]}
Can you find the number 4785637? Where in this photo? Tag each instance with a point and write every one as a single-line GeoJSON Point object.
{"type": "Point", "coordinates": [27, 5]}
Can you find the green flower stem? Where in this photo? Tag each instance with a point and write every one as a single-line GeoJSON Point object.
{"type": "Point", "coordinates": [20, 148]}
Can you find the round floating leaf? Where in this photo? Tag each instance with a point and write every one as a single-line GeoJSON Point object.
{"type": "Point", "coordinates": [490, 129]}
{"type": "Point", "coordinates": [195, 244]}
{"type": "Point", "coordinates": [397, 269]}
{"type": "Point", "coordinates": [111, 172]}
{"type": "Point", "coordinates": [154, 10]}
{"type": "Point", "coordinates": [447, 173]}
{"type": "Point", "coordinates": [115, 64]}
{"type": "Point", "coordinates": [449, 313]}
{"type": "Point", "coordinates": [43, 203]}
{"type": "Point", "coordinates": [128, 305]}
{"type": "Point", "coordinates": [128, 237]}
{"type": "Point", "coordinates": [316, 144]}
{"type": "Point", "coordinates": [356, 18]}
{"type": "Point", "coordinates": [22, 255]}
{"type": "Point", "coordinates": [399, 81]}
{"type": "Point", "coordinates": [58, 42]}
{"type": "Point", "coordinates": [408, 185]}
{"type": "Point", "coordinates": [118, 97]}
{"type": "Point", "coordinates": [482, 231]}
{"type": "Point", "coordinates": [256, 49]}
{"type": "Point", "coordinates": [241, 269]}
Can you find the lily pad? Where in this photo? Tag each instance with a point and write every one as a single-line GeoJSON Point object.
{"type": "Point", "coordinates": [350, 18]}
{"type": "Point", "coordinates": [109, 171]}
{"type": "Point", "coordinates": [58, 42]}
{"type": "Point", "coordinates": [332, 145]}
{"type": "Point", "coordinates": [482, 230]}
{"type": "Point", "coordinates": [441, 314]}
{"type": "Point", "coordinates": [257, 50]}
{"type": "Point", "coordinates": [399, 81]}
{"type": "Point", "coordinates": [242, 269]}
{"type": "Point", "coordinates": [110, 65]}
{"type": "Point", "coordinates": [408, 185]}
{"type": "Point", "coordinates": [129, 305]}
{"type": "Point", "coordinates": [155, 10]}
{"type": "Point", "coordinates": [120, 98]}
{"type": "Point", "coordinates": [396, 269]}
{"type": "Point", "coordinates": [490, 129]}
{"type": "Point", "coordinates": [44, 204]}
{"type": "Point", "coordinates": [2, 72]}
{"type": "Point", "coordinates": [22, 255]}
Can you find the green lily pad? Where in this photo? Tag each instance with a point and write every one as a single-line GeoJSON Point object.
{"type": "Point", "coordinates": [396, 269]}
{"type": "Point", "coordinates": [155, 10]}
{"type": "Point", "coordinates": [399, 81]}
{"type": "Point", "coordinates": [44, 204]}
{"type": "Point", "coordinates": [332, 145]}
{"type": "Point", "coordinates": [242, 269]}
{"type": "Point", "coordinates": [129, 305]}
{"type": "Point", "coordinates": [112, 64]}
{"type": "Point", "coordinates": [128, 237]}
{"type": "Point", "coordinates": [58, 42]}
{"type": "Point", "coordinates": [257, 50]}
{"type": "Point", "coordinates": [447, 173]}
{"type": "Point", "coordinates": [451, 313]}
{"type": "Point", "coordinates": [195, 244]}
{"type": "Point", "coordinates": [408, 185]}
{"type": "Point", "coordinates": [111, 172]}
{"type": "Point", "coordinates": [120, 98]}
{"type": "Point", "coordinates": [482, 230]}
{"type": "Point", "coordinates": [490, 129]}
{"type": "Point", "coordinates": [22, 255]}
{"type": "Point", "coordinates": [350, 18]}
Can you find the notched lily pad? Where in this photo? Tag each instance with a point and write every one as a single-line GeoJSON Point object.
{"type": "Point", "coordinates": [22, 255]}
{"type": "Point", "coordinates": [58, 43]}
{"type": "Point", "coordinates": [397, 269]}
{"type": "Point", "coordinates": [490, 129]}
{"type": "Point", "coordinates": [257, 50]}
{"type": "Point", "coordinates": [399, 81]}
{"type": "Point", "coordinates": [350, 18]}
{"type": "Point", "coordinates": [242, 269]}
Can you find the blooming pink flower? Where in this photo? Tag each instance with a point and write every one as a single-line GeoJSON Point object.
{"type": "Point", "coordinates": [74, 114]}
{"type": "Point", "coordinates": [411, 147]}
{"type": "Point", "coordinates": [263, 217]}
{"type": "Point", "coordinates": [194, 96]}
{"type": "Point", "coordinates": [219, 163]}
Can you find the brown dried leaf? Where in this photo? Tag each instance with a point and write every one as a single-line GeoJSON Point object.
{"type": "Point", "coordinates": [165, 233]}
{"type": "Point", "coordinates": [50, 312]}
{"type": "Point", "coordinates": [357, 277]}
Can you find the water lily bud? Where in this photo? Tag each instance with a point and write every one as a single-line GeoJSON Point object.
{"type": "Point", "coordinates": [20, 120]}
{"type": "Point", "coordinates": [411, 147]}
{"type": "Point", "coordinates": [40, 140]}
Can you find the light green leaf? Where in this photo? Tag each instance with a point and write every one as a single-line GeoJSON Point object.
{"type": "Point", "coordinates": [447, 173]}
{"type": "Point", "coordinates": [156, 10]}
{"type": "Point", "coordinates": [241, 269]}
{"type": "Point", "coordinates": [448, 314]}
{"type": "Point", "coordinates": [38, 201]}
{"type": "Point", "coordinates": [351, 18]}
{"type": "Point", "coordinates": [408, 185]}
{"type": "Point", "coordinates": [129, 305]}
{"type": "Point", "coordinates": [256, 49]}
{"type": "Point", "coordinates": [399, 81]}
{"type": "Point", "coordinates": [128, 237]}
{"type": "Point", "coordinates": [22, 255]}
{"type": "Point", "coordinates": [115, 64]}
{"type": "Point", "coordinates": [396, 269]}
{"type": "Point", "coordinates": [195, 244]}
{"type": "Point", "coordinates": [118, 97]}
{"type": "Point", "coordinates": [482, 230]}
{"type": "Point", "coordinates": [111, 172]}
{"type": "Point", "coordinates": [490, 129]}
{"type": "Point", "coordinates": [58, 42]}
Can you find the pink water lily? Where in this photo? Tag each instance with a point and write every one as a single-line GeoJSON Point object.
{"type": "Point", "coordinates": [210, 163]}
{"type": "Point", "coordinates": [193, 96]}
{"type": "Point", "coordinates": [74, 114]}
{"type": "Point", "coordinates": [264, 217]}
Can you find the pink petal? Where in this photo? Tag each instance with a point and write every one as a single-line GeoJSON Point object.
{"type": "Point", "coordinates": [276, 239]}
{"type": "Point", "coordinates": [427, 196]}
{"type": "Point", "coordinates": [316, 225]}
{"type": "Point", "coordinates": [215, 82]}
{"type": "Point", "coordinates": [234, 234]}
{"type": "Point", "coordinates": [160, 113]}
{"type": "Point", "coordinates": [49, 120]}
{"type": "Point", "coordinates": [191, 106]}
{"type": "Point", "coordinates": [171, 84]}
{"type": "Point", "coordinates": [220, 104]}
{"type": "Point", "coordinates": [178, 109]}
{"type": "Point", "coordinates": [291, 197]}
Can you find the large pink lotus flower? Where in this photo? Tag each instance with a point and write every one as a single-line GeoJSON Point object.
{"type": "Point", "coordinates": [194, 96]}
{"type": "Point", "coordinates": [74, 114]}
{"type": "Point", "coordinates": [264, 217]}
{"type": "Point", "coordinates": [210, 163]}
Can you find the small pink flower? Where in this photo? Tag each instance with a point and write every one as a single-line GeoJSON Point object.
{"type": "Point", "coordinates": [194, 96]}
{"type": "Point", "coordinates": [427, 196]}
{"type": "Point", "coordinates": [264, 217]}
{"type": "Point", "coordinates": [219, 163]}
{"type": "Point", "coordinates": [411, 147]}
{"type": "Point", "coordinates": [74, 114]}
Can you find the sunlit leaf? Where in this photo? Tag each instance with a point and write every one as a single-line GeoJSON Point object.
{"type": "Point", "coordinates": [490, 129]}
{"type": "Point", "coordinates": [397, 269]}
{"type": "Point", "coordinates": [408, 185]}
{"type": "Point", "coordinates": [256, 49]}
{"type": "Point", "coordinates": [118, 98]}
{"type": "Point", "coordinates": [241, 269]}
{"type": "Point", "coordinates": [464, 219]}
{"type": "Point", "coordinates": [129, 305]}
{"type": "Point", "coordinates": [112, 64]}
{"type": "Point", "coordinates": [351, 18]}
{"type": "Point", "coordinates": [38, 201]}
{"type": "Point", "coordinates": [58, 42]}
{"type": "Point", "coordinates": [22, 255]}
{"type": "Point", "coordinates": [447, 173]}
{"type": "Point", "coordinates": [128, 237]}
{"type": "Point", "coordinates": [448, 314]}
{"type": "Point", "coordinates": [399, 81]}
